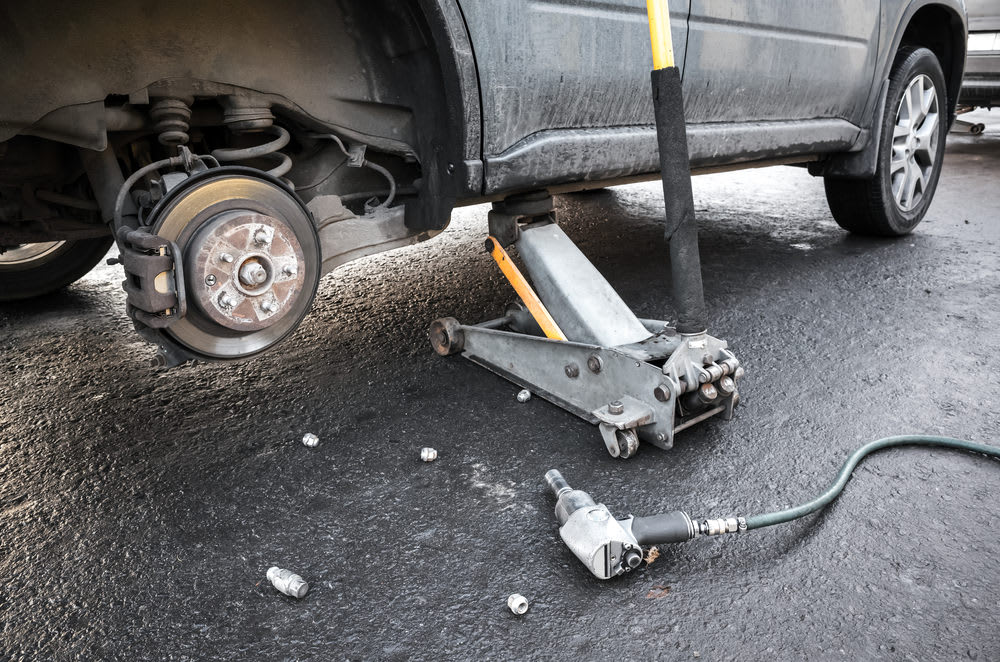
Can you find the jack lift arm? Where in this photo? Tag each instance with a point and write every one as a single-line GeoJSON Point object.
{"type": "Point", "coordinates": [574, 341]}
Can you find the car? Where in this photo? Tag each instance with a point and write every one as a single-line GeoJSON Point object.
{"type": "Point", "coordinates": [234, 154]}
{"type": "Point", "coordinates": [981, 85]}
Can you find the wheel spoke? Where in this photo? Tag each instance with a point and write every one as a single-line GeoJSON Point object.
{"type": "Point", "coordinates": [900, 183]}
{"type": "Point", "coordinates": [898, 161]}
{"type": "Point", "coordinates": [913, 177]}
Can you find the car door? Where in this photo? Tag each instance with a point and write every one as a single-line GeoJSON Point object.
{"type": "Point", "coordinates": [759, 60]}
{"type": "Point", "coordinates": [561, 65]}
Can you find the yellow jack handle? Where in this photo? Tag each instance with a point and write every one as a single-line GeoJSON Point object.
{"type": "Point", "coordinates": [659, 33]}
{"type": "Point", "coordinates": [524, 290]}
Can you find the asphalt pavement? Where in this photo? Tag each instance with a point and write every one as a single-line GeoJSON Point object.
{"type": "Point", "coordinates": [140, 509]}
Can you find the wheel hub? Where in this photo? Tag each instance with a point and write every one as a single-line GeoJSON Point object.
{"type": "Point", "coordinates": [250, 265]}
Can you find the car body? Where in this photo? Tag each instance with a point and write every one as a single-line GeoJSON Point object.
{"type": "Point", "coordinates": [457, 101]}
{"type": "Point", "coordinates": [981, 86]}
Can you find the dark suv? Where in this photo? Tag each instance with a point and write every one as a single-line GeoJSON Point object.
{"type": "Point", "coordinates": [235, 152]}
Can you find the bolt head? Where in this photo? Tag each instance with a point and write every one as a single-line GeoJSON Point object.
{"type": "Point", "coordinates": [616, 407]}
{"type": "Point", "coordinates": [269, 306]}
{"type": "Point", "coordinates": [261, 238]}
{"type": "Point", "coordinates": [210, 280]}
{"type": "Point", "coordinates": [226, 257]}
{"type": "Point", "coordinates": [572, 370]}
{"type": "Point", "coordinates": [288, 270]}
{"type": "Point", "coordinates": [662, 393]}
{"type": "Point", "coordinates": [226, 301]}
{"type": "Point", "coordinates": [595, 364]}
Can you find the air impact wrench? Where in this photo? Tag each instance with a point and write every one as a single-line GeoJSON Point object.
{"type": "Point", "coordinates": [610, 547]}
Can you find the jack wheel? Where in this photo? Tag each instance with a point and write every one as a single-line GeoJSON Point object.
{"type": "Point", "coordinates": [446, 336]}
{"type": "Point", "coordinates": [628, 442]}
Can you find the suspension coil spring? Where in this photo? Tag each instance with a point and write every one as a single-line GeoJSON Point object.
{"type": "Point", "coordinates": [266, 150]}
{"type": "Point", "coordinates": [171, 121]}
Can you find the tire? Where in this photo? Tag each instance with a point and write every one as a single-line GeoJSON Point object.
{"type": "Point", "coordinates": [910, 154]}
{"type": "Point", "coordinates": [31, 270]}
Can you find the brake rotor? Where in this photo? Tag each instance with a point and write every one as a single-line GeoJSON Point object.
{"type": "Point", "coordinates": [251, 261]}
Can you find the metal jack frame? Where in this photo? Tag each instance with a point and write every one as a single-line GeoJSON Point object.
{"type": "Point", "coordinates": [578, 345]}
{"type": "Point", "coordinates": [636, 379]}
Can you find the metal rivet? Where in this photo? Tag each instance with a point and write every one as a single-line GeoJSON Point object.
{"type": "Point", "coordinates": [210, 280]}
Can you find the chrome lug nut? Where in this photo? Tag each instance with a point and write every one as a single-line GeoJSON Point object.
{"type": "Point", "coordinates": [269, 306]}
{"type": "Point", "coordinates": [226, 301]}
{"type": "Point", "coordinates": [226, 257]}
{"type": "Point", "coordinates": [518, 604]}
{"type": "Point", "coordinates": [260, 237]}
{"type": "Point", "coordinates": [289, 270]}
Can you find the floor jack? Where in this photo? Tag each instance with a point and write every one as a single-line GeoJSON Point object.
{"type": "Point", "coordinates": [574, 341]}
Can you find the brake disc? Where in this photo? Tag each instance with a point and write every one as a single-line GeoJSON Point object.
{"type": "Point", "coordinates": [251, 261]}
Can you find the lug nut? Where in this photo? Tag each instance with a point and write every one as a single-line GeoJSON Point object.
{"type": "Point", "coordinates": [226, 301]}
{"type": "Point", "coordinates": [518, 604]}
{"type": "Point", "coordinates": [268, 306]}
{"type": "Point", "coordinates": [616, 407]}
{"type": "Point", "coordinates": [287, 582]}
{"type": "Point", "coordinates": [524, 395]}
{"type": "Point", "coordinates": [226, 257]}
{"type": "Point", "coordinates": [260, 237]}
{"type": "Point", "coordinates": [288, 270]}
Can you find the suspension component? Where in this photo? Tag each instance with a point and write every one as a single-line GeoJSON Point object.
{"type": "Point", "coordinates": [269, 150]}
{"type": "Point", "coordinates": [171, 121]}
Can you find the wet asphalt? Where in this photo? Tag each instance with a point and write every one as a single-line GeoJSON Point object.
{"type": "Point", "coordinates": [140, 509]}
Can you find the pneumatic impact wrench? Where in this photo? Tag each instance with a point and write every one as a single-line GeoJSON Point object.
{"type": "Point", "coordinates": [610, 547]}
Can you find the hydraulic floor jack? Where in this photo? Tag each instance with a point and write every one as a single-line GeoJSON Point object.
{"type": "Point", "coordinates": [574, 341]}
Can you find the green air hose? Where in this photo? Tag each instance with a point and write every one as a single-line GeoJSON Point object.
{"type": "Point", "coordinates": [823, 500]}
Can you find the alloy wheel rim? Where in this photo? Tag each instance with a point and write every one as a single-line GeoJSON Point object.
{"type": "Point", "coordinates": [914, 143]}
{"type": "Point", "coordinates": [22, 254]}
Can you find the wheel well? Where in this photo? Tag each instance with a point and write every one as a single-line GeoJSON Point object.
{"type": "Point", "coordinates": [925, 29]}
{"type": "Point", "coordinates": [380, 72]}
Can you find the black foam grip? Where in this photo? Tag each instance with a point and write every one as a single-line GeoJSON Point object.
{"type": "Point", "coordinates": [681, 226]}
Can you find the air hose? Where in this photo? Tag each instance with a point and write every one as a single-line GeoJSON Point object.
{"type": "Point", "coordinates": [611, 547]}
{"type": "Point", "coordinates": [823, 500]}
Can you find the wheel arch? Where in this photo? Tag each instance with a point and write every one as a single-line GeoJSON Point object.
{"type": "Point", "coordinates": [399, 72]}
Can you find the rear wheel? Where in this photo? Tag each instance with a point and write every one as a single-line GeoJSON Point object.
{"type": "Point", "coordinates": [31, 270]}
{"type": "Point", "coordinates": [911, 149]}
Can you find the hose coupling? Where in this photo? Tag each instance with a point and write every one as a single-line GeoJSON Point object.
{"type": "Point", "coordinates": [716, 527]}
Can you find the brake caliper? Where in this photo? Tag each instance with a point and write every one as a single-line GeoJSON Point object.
{"type": "Point", "coordinates": [154, 279]}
